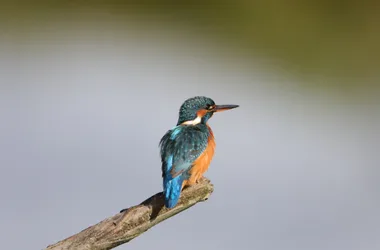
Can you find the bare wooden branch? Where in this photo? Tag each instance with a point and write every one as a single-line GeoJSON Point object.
{"type": "Point", "coordinates": [133, 221]}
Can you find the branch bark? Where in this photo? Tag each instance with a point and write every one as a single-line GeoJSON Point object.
{"type": "Point", "coordinates": [133, 221]}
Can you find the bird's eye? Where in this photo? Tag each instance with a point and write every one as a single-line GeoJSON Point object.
{"type": "Point", "coordinates": [209, 107]}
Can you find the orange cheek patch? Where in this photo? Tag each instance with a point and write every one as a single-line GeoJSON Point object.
{"type": "Point", "coordinates": [201, 112]}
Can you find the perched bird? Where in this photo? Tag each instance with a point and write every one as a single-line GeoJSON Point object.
{"type": "Point", "coordinates": [187, 149]}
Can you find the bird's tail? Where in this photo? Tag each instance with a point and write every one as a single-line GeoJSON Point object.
{"type": "Point", "coordinates": [172, 190]}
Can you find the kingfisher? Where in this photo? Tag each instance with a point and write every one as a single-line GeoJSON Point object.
{"type": "Point", "coordinates": [188, 148]}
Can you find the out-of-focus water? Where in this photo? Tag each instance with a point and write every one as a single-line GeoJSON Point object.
{"type": "Point", "coordinates": [86, 94]}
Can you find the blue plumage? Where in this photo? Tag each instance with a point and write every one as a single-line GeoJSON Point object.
{"type": "Point", "coordinates": [171, 185]}
{"type": "Point", "coordinates": [183, 144]}
{"type": "Point", "coordinates": [180, 147]}
{"type": "Point", "coordinates": [169, 163]}
{"type": "Point", "coordinates": [175, 132]}
{"type": "Point", "coordinates": [172, 189]}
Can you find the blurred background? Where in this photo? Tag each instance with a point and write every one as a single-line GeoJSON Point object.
{"type": "Point", "coordinates": [88, 88]}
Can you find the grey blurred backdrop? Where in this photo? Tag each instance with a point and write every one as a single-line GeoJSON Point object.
{"type": "Point", "coordinates": [88, 89]}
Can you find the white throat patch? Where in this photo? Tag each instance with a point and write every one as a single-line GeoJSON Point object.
{"type": "Point", "coordinates": [193, 122]}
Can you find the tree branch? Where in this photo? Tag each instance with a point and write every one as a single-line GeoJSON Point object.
{"type": "Point", "coordinates": [133, 221]}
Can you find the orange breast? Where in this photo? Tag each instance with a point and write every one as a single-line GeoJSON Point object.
{"type": "Point", "coordinates": [201, 164]}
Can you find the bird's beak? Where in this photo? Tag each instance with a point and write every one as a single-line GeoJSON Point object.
{"type": "Point", "coordinates": [219, 108]}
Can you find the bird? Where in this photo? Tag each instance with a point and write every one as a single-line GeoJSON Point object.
{"type": "Point", "coordinates": [187, 149]}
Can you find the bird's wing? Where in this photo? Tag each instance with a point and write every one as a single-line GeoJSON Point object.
{"type": "Point", "coordinates": [180, 147]}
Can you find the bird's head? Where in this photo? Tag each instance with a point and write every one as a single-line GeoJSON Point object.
{"type": "Point", "coordinates": [199, 109]}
